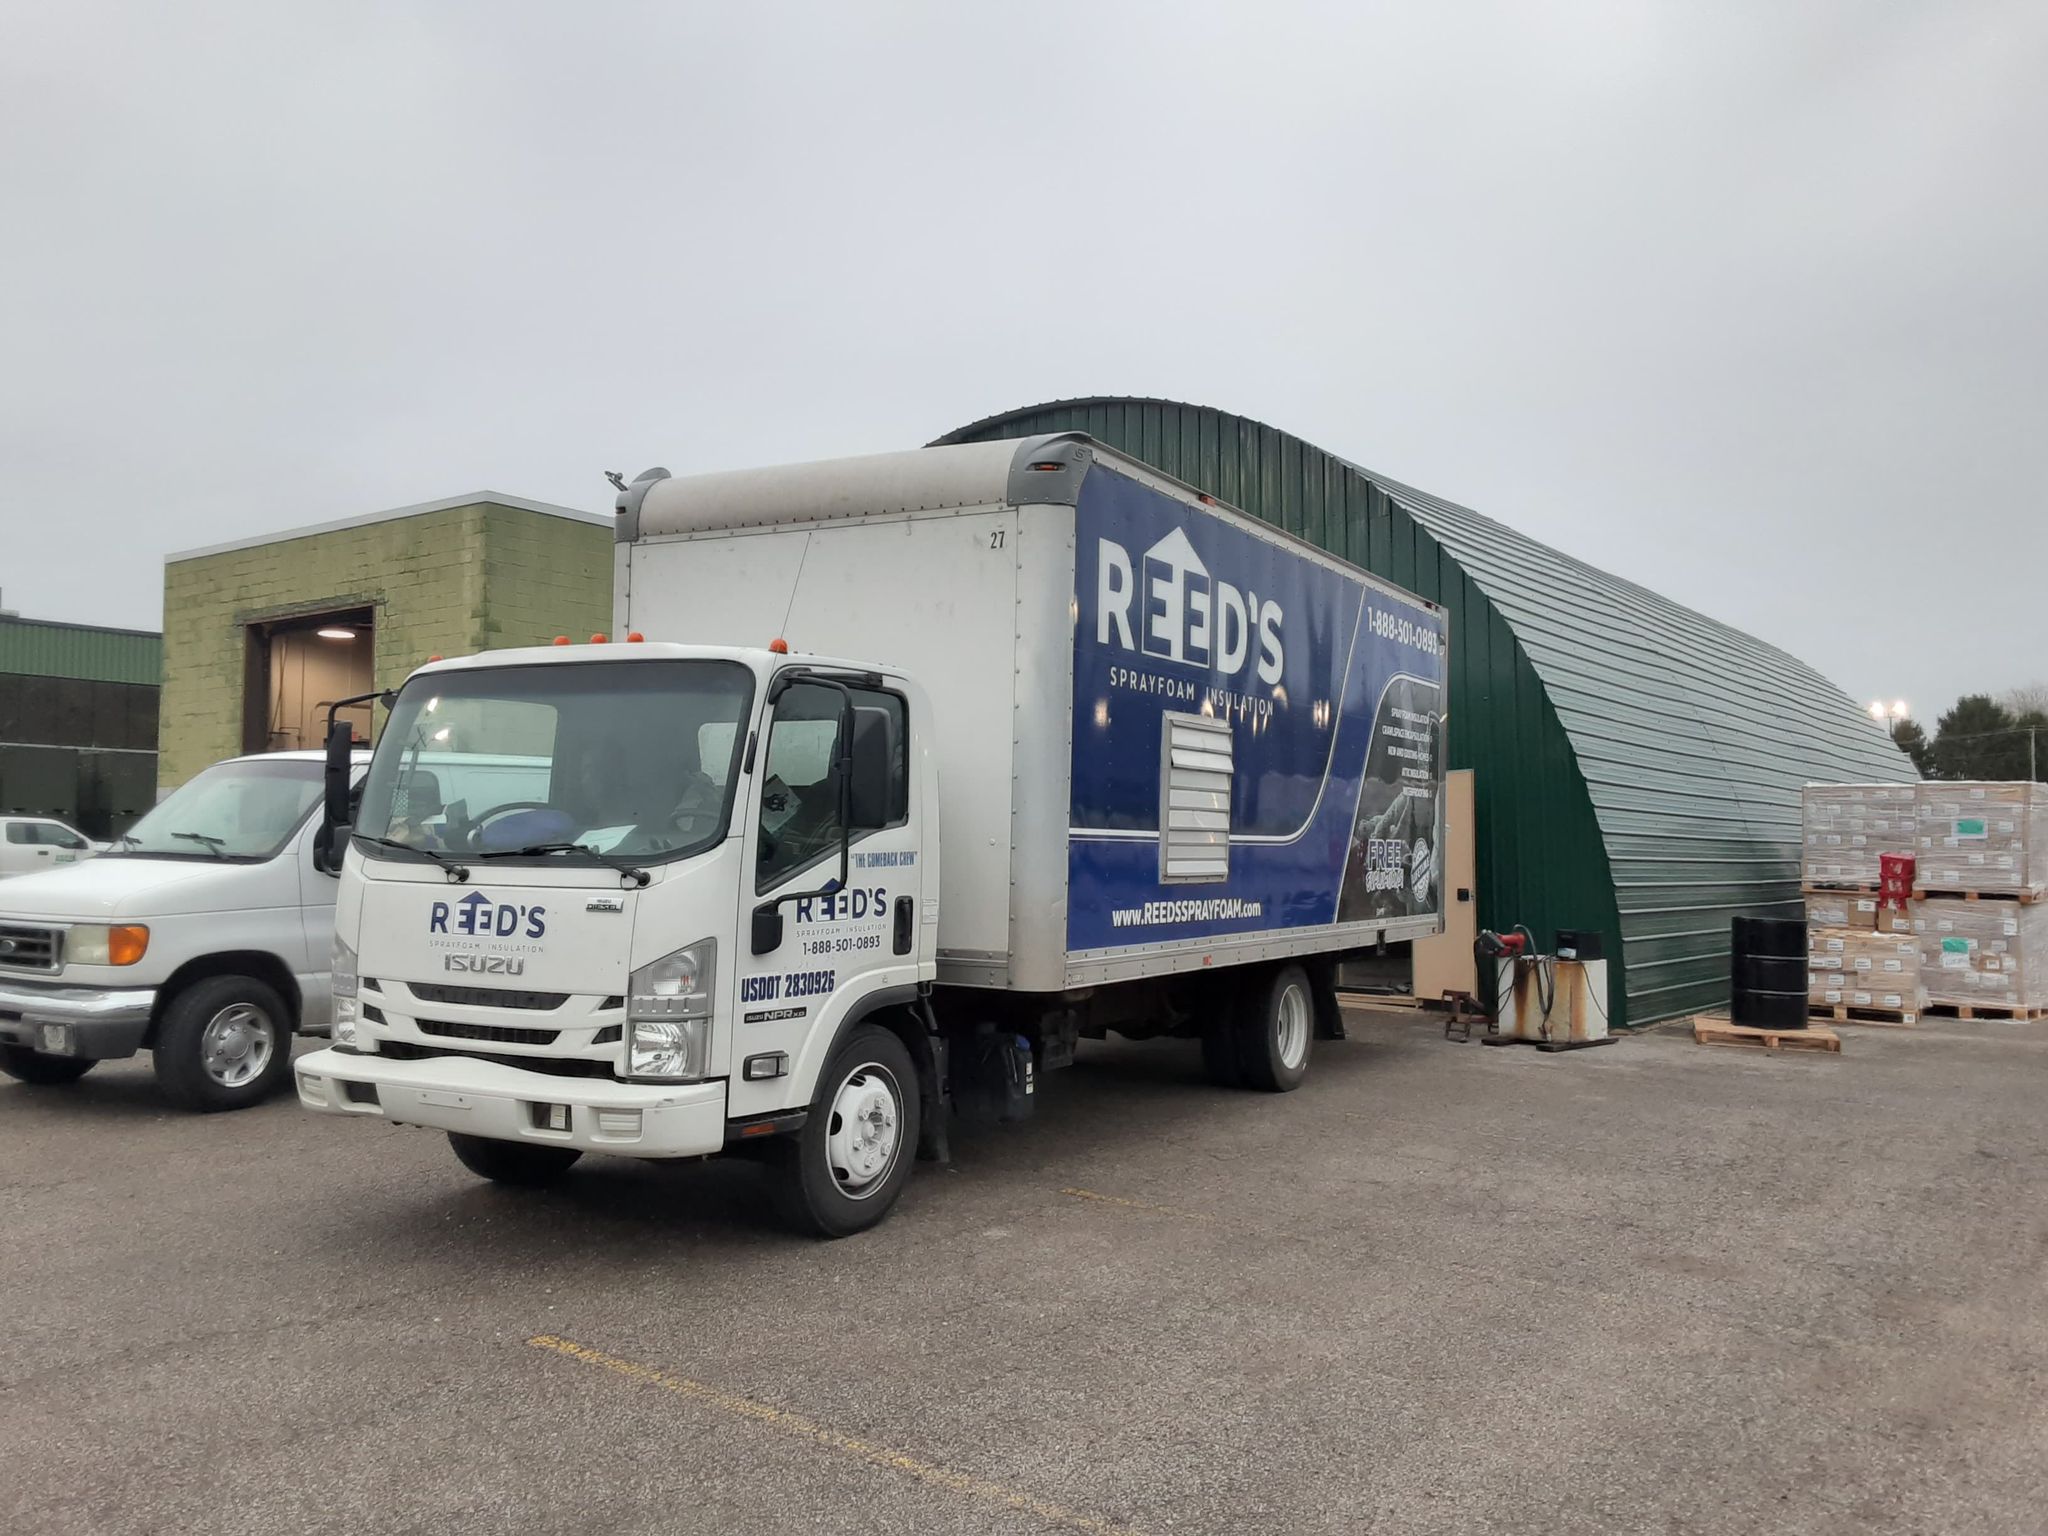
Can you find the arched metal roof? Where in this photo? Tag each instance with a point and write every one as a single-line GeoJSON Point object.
{"type": "Point", "coordinates": [1637, 764]}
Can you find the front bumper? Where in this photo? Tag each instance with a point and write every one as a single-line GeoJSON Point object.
{"type": "Point", "coordinates": [99, 1023]}
{"type": "Point", "coordinates": [485, 1098]}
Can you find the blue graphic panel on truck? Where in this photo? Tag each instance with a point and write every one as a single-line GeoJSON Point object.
{"type": "Point", "coordinates": [1329, 686]}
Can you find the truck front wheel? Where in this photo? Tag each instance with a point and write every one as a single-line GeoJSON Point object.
{"type": "Point", "coordinates": [18, 1061]}
{"type": "Point", "coordinates": [843, 1171]}
{"type": "Point", "coordinates": [223, 1043]}
{"type": "Point", "coordinates": [511, 1162]}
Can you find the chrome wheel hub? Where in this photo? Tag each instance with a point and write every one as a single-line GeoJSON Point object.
{"type": "Point", "coordinates": [1292, 1027]}
{"type": "Point", "coordinates": [237, 1045]}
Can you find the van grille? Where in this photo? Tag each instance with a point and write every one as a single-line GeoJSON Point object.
{"type": "Point", "coordinates": [495, 1034]}
{"type": "Point", "coordinates": [487, 997]}
{"type": "Point", "coordinates": [30, 949]}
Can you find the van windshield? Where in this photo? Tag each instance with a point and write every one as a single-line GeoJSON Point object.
{"type": "Point", "coordinates": [243, 811]}
{"type": "Point", "coordinates": [623, 757]}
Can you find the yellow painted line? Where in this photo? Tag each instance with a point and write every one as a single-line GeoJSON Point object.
{"type": "Point", "coordinates": [795, 1424]}
{"type": "Point", "coordinates": [1136, 1205]}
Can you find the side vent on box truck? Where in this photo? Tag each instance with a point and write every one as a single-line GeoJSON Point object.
{"type": "Point", "coordinates": [1195, 765]}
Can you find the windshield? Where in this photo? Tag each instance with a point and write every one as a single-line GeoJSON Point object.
{"type": "Point", "coordinates": [634, 758]}
{"type": "Point", "coordinates": [243, 811]}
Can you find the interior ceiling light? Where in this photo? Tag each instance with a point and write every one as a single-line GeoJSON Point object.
{"type": "Point", "coordinates": [334, 632]}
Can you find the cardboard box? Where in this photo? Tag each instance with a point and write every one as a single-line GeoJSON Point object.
{"type": "Point", "coordinates": [1981, 837]}
{"type": "Point", "coordinates": [1845, 827]}
{"type": "Point", "coordinates": [1862, 968]}
{"type": "Point", "coordinates": [1982, 952]}
{"type": "Point", "coordinates": [1843, 909]}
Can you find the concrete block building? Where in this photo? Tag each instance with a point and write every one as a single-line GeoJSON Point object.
{"type": "Point", "coordinates": [260, 635]}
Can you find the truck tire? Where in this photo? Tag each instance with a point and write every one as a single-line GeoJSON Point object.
{"type": "Point", "coordinates": [1219, 1051]}
{"type": "Point", "coordinates": [223, 1043]}
{"type": "Point", "coordinates": [511, 1162]}
{"type": "Point", "coordinates": [1276, 1030]}
{"type": "Point", "coordinates": [29, 1066]}
{"type": "Point", "coordinates": [843, 1171]}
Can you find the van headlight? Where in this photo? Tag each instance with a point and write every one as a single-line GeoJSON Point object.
{"type": "Point", "coordinates": [99, 944]}
{"type": "Point", "coordinates": [345, 985]}
{"type": "Point", "coordinates": [668, 1015]}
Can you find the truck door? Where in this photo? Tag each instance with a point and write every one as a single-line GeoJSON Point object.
{"type": "Point", "coordinates": [837, 950]}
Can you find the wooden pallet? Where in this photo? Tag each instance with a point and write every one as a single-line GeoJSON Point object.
{"type": "Point", "coordinates": [2025, 896]}
{"type": "Point", "coordinates": [1710, 1030]}
{"type": "Point", "coordinates": [1850, 1013]}
{"type": "Point", "coordinates": [2004, 1011]}
{"type": "Point", "coordinates": [1820, 888]}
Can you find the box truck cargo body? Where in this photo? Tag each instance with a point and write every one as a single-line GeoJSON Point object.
{"type": "Point", "coordinates": [982, 749]}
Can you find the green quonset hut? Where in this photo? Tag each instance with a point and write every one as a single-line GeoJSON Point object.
{"type": "Point", "coordinates": [1637, 766]}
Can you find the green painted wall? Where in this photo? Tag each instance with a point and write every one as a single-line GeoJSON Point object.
{"type": "Point", "coordinates": [446, 582]}
{"type": "Point", "coordinates": [1636, 765]}
{"type": "Point", "coordinates": [41, 648]}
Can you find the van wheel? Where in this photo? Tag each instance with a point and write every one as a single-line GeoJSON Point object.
{"type": "Point", "coordinates": [223, 1043]}
{"type": "Point", "coordinates": [511, 1162]}
{"type": "Point", "coordinates": [1276, 1030]}
{"type": "Point", "coordinates": [844, 1170]}
{"type": "Point", "coordinates": [18, 1061]}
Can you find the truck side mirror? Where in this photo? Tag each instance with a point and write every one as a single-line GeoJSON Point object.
{"type": "Point", "coordinates": [767, 936]}
{"type": "Point", "coordinates": [336, 810]}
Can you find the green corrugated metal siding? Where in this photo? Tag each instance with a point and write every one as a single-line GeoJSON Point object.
{"type": "Point", "coordinates": [35, 648]}
{"type": "Point", "coordinates": [1637, 765]}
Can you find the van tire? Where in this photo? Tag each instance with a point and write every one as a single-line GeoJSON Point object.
{"type": "Point", "coordinates": [206, 1039]}
{"type": "Point", "coordinates": [511, 1162]}
{"type": "Point", "coordinates": [31, 1066]}
{"type": "Point", "coordinates": [832, 1181]}
{"type": "Point", "coordinates": [1276, 1030]}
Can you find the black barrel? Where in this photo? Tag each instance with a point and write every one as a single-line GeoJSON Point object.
{"type": "Point", "coordinates": [1767, 973]}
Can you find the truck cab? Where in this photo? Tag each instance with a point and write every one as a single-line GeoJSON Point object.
{"type": "Point", "coordinates": [708, 895]}
{"type": "Point", "coordinates": [201, 935]}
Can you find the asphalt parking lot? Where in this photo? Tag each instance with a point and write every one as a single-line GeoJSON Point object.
{"type": "Point", "coordinates": [1443, 1288]}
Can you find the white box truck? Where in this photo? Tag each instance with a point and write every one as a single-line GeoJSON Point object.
{"type": "Point", "coordinates": [929, 765]}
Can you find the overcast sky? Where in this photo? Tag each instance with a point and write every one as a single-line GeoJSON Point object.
{"type": "Point", "coordinates": [1746, 302]}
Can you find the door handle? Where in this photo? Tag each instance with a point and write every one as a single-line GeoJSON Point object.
{"type": "Point", "coordinates": [903, 925]}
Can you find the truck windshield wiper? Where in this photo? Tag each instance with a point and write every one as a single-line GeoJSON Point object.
{"type": "Point", "coordinates": [626, 867]}
{"type": "Point", "coordinates": [456, 869]}
{"type": "Point", "coordinates": [214, 845]}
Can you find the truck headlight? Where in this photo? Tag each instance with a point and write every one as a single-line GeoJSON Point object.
{"type": "Point", "coordinates": [345, 985]}
{"type": "Point", "coordinates": [668, 1015]}
{"type": "Point", "coordinates": [99, 944]}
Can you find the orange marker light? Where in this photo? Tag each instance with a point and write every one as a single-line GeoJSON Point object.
{"type": "Point", "coordinates": [634, 637]}
{"type": "Point", "coordinates": [597, 639]}
{"type": "Point", "coordinates": [435, 657]}
{"type": "Point", "coordinates": [126, 945]}
{"type": "Point", "coordinates": [779, 646]}
{"type": "Point", "coordinates": [561, 639]}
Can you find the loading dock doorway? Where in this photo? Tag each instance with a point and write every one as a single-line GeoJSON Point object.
{"type": "Point", "coordinates": [296, 668]}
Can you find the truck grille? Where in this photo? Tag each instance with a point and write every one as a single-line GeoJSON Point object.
{"type": "Point", "coordinates": [495, 1034]}
{"type": "Point", "coordinates": [30, 949]}
{"type": "Point", "coordinates": [487, 997]}
{"type": "Point", "coordinates": [555, 1066]}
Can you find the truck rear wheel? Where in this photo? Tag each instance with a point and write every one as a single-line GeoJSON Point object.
{"type": "Point", "coordinates": [223, 1043]}
{"type": "Point", "coordinates": [511, 1162]}
{"type": "Point", "coordinates": [18, 1061]}
{"type": "Point", "coordinates": [843, 1171]}
{"type": "Point", "coordinates": [1276, 1030]}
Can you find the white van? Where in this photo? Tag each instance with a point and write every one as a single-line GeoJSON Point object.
{"type": "Point", "coordinates": [201, 934]}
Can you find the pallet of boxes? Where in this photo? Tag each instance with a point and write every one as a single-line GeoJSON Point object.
{"type": "Point", "coordinates": [1979, 916]}
{"type": "Point", "coordinates": [1972, 942]}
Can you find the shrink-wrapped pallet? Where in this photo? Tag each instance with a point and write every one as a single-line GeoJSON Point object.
{"type": "Point", "coordinates": [1982, 837]}
{"type": "Point", "coordinates": [1847, 826]}
{"type": "Point", "coordinates": [1858, 968]}
{"type": "Point", "coordinates": [1982, 952]}
{"type": "Point", "coordinates": [1842, 909]}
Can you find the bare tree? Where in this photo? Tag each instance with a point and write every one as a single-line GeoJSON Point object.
{"type": "Point", "coordinates": [2027, 699]}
